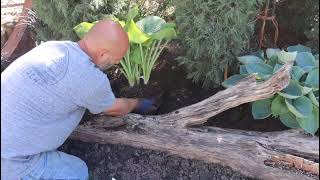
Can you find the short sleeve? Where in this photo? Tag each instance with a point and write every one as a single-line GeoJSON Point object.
{"type": "Point", "coordinates": [93, 91]}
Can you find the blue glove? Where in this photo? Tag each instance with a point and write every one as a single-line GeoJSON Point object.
{"type": "Point", "coordinates": [146, 106]}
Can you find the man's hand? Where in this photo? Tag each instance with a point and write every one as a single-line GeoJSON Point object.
{"type": "Point", "coordinates": [123, 106]}
{"type": "Point", "coordinates": [146, 106]}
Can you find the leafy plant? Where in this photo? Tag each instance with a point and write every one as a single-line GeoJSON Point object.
{"type": "Point", "coordinates": [213, 32]}
{"type": "Point", "coordinates": [148, 37]}
{"type": "Point", "coordinates": [297, 106]}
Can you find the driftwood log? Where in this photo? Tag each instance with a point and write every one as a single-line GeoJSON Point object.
{"type": "Point", "coordinates": [182, 133]}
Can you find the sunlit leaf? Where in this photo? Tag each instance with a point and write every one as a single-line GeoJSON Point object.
{"type": "Point", "coordinates": [285, 57]}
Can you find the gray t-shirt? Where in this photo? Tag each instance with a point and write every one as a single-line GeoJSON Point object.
{"type": "Point", "coordinates": [44, 94]}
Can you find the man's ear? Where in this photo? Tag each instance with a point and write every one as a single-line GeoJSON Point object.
{"type": "Point", "coordinates": [104, 53]}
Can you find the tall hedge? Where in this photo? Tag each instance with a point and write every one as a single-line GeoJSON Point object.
{"type": "Point", "coordinates": [213, 33]}
{"type": "Point", "coordinates": [58, 17]}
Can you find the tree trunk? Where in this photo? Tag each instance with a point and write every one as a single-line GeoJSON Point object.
{"type": "Point", "coordinates": [182, 133]}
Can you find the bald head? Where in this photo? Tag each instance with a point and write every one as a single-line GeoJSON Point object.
{"type": "Point", "coordinates": [106, 42]}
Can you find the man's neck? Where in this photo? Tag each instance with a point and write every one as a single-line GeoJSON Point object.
{"type": "Point", "coordinates": [84, 48]}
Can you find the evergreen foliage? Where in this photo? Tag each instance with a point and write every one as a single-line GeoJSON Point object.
{"type": "Point", "coordinates": [213, 32]}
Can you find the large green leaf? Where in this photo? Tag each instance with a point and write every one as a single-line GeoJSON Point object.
{"type": "Point", "coordinates": [289, 120]}
{"type": "Point", "coordinates": [233, 80]}
{"type": "Point", "coordinates": [311, 123]}
{"type": "Point", "coordinates": [296, 73]}
{"type": "Point", "coordinates": [166, 33]}
{"type": "Point", "coordinates": [306, 61]}
{"type": "Point", "coordinates": [314, 97]}
{"type": "Point", "coordinates": [278, 106]}
{"type": "Point", "coordinates": [292, 91]}
{"type": "Point", "coordinates": [249, 59]}
{"type": "Point", "coordinates": [135, 34]}
{"type": "Point", "coordinates": [83, 28]}
{"type": "Point", "coordinates": [243, 70]}
{"type": "Point", "coordinates": [133, 12]}
{"type": "Point", "coordinates": [151, 24]}
{"type": "Point", "coordinates": [272, 52]}
{"type": "Point", "coordinates": [299, 48]}
{"type": "Point", "coordinates": [313, 79]}
{"type": "Point", "coordinates": [261, 109]}
{"type": "Point", "coordinates": [300, 107]}
{"type": "Point", "coordinates": [285, 57]}
{"type": "Point", "coordinates": [263, 70]}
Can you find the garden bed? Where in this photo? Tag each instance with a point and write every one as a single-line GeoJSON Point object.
{"type": "Point", "coordinates": [108, 161]}
{"type": "Point", "coordinates": [168, 81]}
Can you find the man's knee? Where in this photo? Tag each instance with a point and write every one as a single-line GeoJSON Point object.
{"type": "Point", "coordinates": [59, 165]}
{"type": "Point", "coordinates": [73, 166]}
{"type": "Point", "coordinates": [79, 166]}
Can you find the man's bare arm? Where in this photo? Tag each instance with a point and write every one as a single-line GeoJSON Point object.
{"type": "Point", "coordinates": [122, 106]}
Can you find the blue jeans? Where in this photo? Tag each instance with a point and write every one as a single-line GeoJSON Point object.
{"type": "Point", "coordinates": [56, 165]}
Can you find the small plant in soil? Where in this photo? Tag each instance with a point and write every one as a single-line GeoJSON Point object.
{"type": "Point", "coordinates": [297, 106]}
{"type": "Point", "coordinates": [148, 37]}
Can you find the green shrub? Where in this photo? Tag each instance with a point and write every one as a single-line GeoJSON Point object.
{"type": "Point", "coordinates": [297, 106]}
{"type": "Point", "coordinates": [213, 33]}
{"type": "Point", "coordinates": [60, 16]}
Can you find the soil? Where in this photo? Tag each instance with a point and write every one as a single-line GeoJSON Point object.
{"type": "Point", "coordinates": [126, 163]}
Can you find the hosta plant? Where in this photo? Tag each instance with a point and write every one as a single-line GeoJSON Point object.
{"type": "Point", "coordinates": [147, 37]}
{"type": "Point", "coordinates": [297, 106]}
